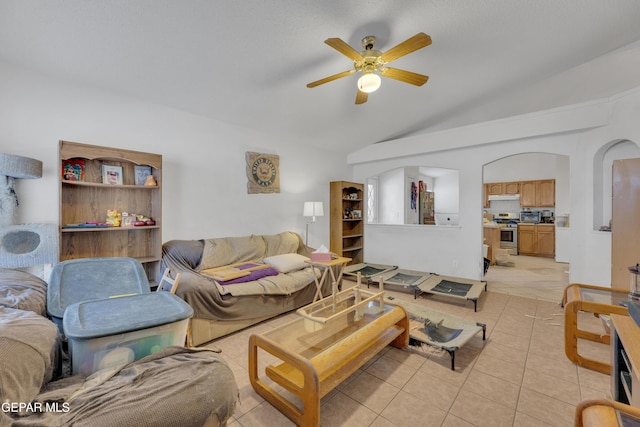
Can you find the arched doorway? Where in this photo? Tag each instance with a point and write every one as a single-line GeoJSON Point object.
{"type": "Point", "coordinates": [542, 277]}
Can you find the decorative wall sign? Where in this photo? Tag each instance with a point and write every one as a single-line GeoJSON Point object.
{"type": "Point", "coordinates": [263, 173]}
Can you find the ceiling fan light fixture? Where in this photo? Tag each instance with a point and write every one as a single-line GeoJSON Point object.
{"type": "Point", "coordinates": [369, 82]}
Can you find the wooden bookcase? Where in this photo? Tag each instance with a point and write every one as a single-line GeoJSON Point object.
{"type": "Point", "coordinates": [347, 212]}
{"type": "Point", "coordinates": [87, 201]}
{"type": "Point", "coordinates": [625, 357]}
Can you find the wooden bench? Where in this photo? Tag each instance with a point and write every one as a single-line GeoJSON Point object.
{"type": "Point", "coordinates": [316, 357]}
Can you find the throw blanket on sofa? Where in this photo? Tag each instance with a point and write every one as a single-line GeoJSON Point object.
{"type": "Point", "coordinates": [235, 302]}
{"type": "Point", "coordinates": [282, 284]}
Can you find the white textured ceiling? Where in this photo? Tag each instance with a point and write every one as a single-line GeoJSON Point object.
{"type": "Point", "coordinates": [247, 62]}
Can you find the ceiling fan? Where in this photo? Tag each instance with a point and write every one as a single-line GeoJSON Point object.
{"type": "Point", "coordinates": [371, 63]}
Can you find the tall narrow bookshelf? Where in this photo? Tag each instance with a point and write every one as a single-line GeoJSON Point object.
{"type": "Point", "coordinates": [85, 200]}
{"type": "Point", "coordinates": [347, 211]}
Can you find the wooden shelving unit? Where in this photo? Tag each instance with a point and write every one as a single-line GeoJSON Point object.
{"type": "Point", "coordinates": [347, 226]}
{"type": "Point", "coordinates": [625, 348]}
{"type": "Point", "coordinates": [87, 201]}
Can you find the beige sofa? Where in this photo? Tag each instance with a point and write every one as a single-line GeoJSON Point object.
{"type": "Point", "coordinates": [220, 309]}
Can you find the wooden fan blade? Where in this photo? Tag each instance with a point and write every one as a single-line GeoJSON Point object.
{"type": "Point", "coordinates": [361, 97]}
{"type": "Point", "coordinates": [331, 78]}
{"type": "Point", "coordinates": [414, 43]}
{"type": "Point", "coordinates": [404, 76]}
{"type": "Point", "coordinates": [342, 47]}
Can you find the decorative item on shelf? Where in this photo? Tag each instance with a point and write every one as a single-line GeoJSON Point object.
{"type": "Point", "coordinates": [262, 173]}
{"type": "Point", "coordinates": [150, 181]}
{"type": "Point", "coordinates": [112, 175]}
{"type": "Point", "coordinates": [73, 170]}
{"type": "Point", "coordinates": [312, 209]}
{"type": "Point", "coordinates": [128, 219]}
{"type": "Point", "coordinates": [143, 220]}
{"type": "Point", "coordinates": [142, 174]}
{"type": "Point", "coordinates": [357, 214]}
{"type": "Point", "coordinates": [114, 218]}
{"type": "Point", "coordinates": [348, 213]}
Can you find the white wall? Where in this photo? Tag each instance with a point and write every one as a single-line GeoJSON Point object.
{"type": "Point", "coordinates": [521, 167]}
{"type": "Point", "coordinates": [576, 131]}
{"type": "Point", "coordinates": [391, 197]}
{"type": "Point", "coordinates": [204, 192]}
{"type": "Point", "coordinates": [446, 191]}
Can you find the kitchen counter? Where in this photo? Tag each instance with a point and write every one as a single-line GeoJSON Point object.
{"type": "Point", "coordinates": [492, 238]}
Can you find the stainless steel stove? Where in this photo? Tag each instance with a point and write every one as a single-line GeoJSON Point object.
{"type": "Point", "coordinates": [508, 231]}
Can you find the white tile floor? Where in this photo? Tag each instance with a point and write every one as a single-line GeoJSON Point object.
{"type": "Point", "coordinates": [518, 377]}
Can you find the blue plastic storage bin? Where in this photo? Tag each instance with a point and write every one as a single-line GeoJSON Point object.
{"type": "Point", "coordinates": [112, 332]}
{"type": "Point", "coordinates": [84, 279]}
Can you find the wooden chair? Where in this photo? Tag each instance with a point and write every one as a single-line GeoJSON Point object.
{"type": "Point", "coordinates": [603, 413]}
{"type": "Point", "coordinates": [166, 278]}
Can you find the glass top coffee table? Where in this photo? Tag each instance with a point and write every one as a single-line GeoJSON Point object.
{"type": "Point", "coordinates": [327, 341]}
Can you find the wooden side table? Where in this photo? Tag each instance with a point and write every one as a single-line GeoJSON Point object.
{"type": "Point", "coordinates": [592, 299]}
{"type": "Point", "coordinates": [325, 268]}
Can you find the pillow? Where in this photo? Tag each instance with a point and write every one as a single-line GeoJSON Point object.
{"type": "Point", "coordinates": [286, 263]}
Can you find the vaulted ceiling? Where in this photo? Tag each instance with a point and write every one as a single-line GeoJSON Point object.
{"type": "Point", "coordinates": [248, 62]}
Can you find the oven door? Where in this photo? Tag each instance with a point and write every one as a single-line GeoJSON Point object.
{"type": "Point", "coordinates": [509, 238]}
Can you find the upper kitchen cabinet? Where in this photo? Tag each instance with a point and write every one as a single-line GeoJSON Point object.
{"type": "Point", "coordinates": [546, 193]}
{"type": "Point", "coordinates": [538, 194]}
{"type": "Point", "coordinates": [495, 188]}
{"type": "Point", "coordinates": [499, 188]}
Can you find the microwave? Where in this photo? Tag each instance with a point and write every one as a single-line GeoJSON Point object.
{"type": "Point", "coordinates": [530, 216]}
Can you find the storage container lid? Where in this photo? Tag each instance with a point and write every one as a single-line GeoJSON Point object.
{"type": "Point", "coordinates": [85, 279]}
{"type": "Point", "coordinates": [111, 316]}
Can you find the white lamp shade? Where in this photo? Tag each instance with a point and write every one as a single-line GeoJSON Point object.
{"type": "Point", "coordinates": [313, 209]}
{"type": "Point", "coordinates": [369, 82]}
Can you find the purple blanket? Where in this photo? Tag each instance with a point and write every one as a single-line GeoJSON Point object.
{"type": "Point", "coordinates": [254, 275]}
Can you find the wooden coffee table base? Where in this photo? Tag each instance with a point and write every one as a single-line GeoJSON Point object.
{"type": "Point", "coordinates": [317, 358]}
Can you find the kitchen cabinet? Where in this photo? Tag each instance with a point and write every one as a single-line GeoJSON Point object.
{"type": "Point", "coordinates": [499, 188]}
{"type": "Point", "coordinates": [494, 188]}
{"type": "Point", "coordinates": [538, 194]}
{"type": "Point", "coordinates": [492, 239]}
{"type": "Point", "coordinates": [347, 209]}
{"type": "Point", "coordinates": [527, 194]}
{"type": "Point", "coordinates": [536, 240]}
{"type": "Point", "coordinates": [546, 193]}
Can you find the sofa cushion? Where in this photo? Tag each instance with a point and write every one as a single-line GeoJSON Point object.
{"type": "Point", "coordinates": [287, 263]}
{"type": "Point", "coordinates": [230, 250]}
{"type": "Point", "coordinates": [282, 243]}
{"type": "Point", "coordinates": [28, 350]}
